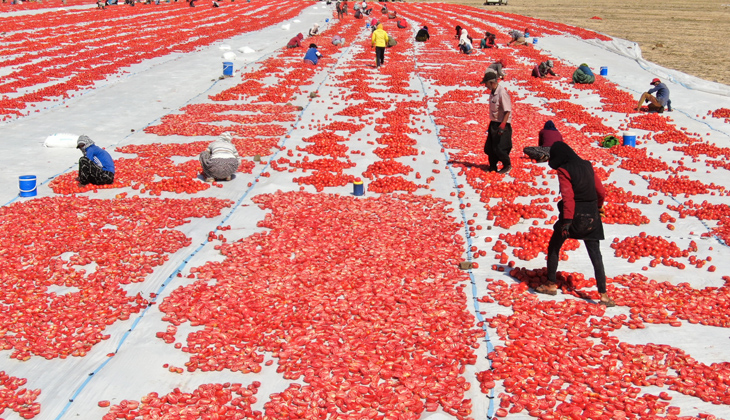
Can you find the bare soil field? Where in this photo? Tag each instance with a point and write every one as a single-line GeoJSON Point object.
{"type": "Point", "coordinates": [692, 36]}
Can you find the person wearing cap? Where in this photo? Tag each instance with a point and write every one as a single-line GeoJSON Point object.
{"type": "Point", "coordinates": [379, 41]}
{"type": "Point", "coordinates": [583, 75]}
{"type": "Point", "coordinates": [658, 102]}
{"type": "Point", "coordinates": [295, 42]}
{"type": "Point", "coordinates": [313, 55]}
{"type": "Point", "coordinates": [518, 38]}
{"type": "Point", "coordinates": [220, 160]}
{"type": "Point", "coordinates": [497, 68]}
{"type": "Point", "coordinates": [314, 30]}
{"type": "Point", "coordinates": [422, 34]}
{"type": "Point", "coordinates": [543, 69]}
{"type": "Point", "coordinates": [499, 134]}
{"type": "Point", "coordinates": [96, 166]}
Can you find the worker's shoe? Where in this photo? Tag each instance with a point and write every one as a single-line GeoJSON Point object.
{"type": "Point", "coordinates": [209, 179]}
{"type": "Point", "coordinates": [504, 169]}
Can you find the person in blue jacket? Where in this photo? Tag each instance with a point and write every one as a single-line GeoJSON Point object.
{"type": "Point", "coordinates": [312, 56]}
{"type": "Point", "coordinates": [658, 102]}
{"type": "Point", "coordinates": [96, 166]}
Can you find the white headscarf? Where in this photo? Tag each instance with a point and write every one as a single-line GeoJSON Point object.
{"type": "Point", "coordinates": [464, 39]}
{"type": "Point", "coordinates": [227, 136]}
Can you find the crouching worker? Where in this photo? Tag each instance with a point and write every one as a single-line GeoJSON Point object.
{"type": "Point", "coordinates": [658, 102]}
{"type": "Point", "coordinates": [313, 55]}
{"type": "Point", "coordinates": [96, 166]}
{"type": "Point", "coordinates": [583, 75]}
{"type": "Point", "coordinates": [295, 42]}
{"type": "Point", "coordinates": [580, 210]}
{"type": "Point", "coordinates": [220, 160]}
{"type": "Point", "coordinates": [465, 42]}
{"type": "Point", "coordinates": [543, 69]}
{"type": "Point", "coordinates": [422, 34]}
{"type": "Point", "coordinates": [547, 137]}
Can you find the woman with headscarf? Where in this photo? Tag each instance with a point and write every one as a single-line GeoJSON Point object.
{"type": "Point", "coordinates": [314, 30]}
{"type": "Point", "coordinates": [96, 166]}
{"type": "Point", "coordinates": [579, 217]}
{"type": "Point", "coordinates": [583, 75]}
{"type": "Point", "coordinates": [220, 160]}
{"type": "Point", "coordinates": [543, 69]}
{"type": "Point", "coordinates": [465, 42]}
{"type": "Point", "coordinates": [548, 136]}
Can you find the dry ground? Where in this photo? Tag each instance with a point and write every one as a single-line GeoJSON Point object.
{"type": "Point", "coordinates": [692, 36]}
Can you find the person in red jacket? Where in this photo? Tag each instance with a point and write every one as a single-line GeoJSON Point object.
{"type": "Point", "coordinates": [547, 137]}
{"type": "Point", "coordinates": [295, 42]}
{"type": "Point", "coordinates": [580, 212]}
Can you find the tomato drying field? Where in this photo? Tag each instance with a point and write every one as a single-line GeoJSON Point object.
{"type": "Point", "coordinates": [280, 294]}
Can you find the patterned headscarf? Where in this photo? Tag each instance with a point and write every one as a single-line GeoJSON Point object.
{"type": "Point", "coordinates": [83, 142]}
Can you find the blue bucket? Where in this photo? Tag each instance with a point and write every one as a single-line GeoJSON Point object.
{"type": "Point", "coordinates": [629, 139]}
{"type": "Point", "coordinates": [604, 71]}
{"type": "Point", "coordinates": [358, 188]}
{"type": "Point", "coordinates": [534, 40]}
{"type": "Point", "coordinates": [228, 68]}
{"type": "Point", "coordinates": [27, 186]}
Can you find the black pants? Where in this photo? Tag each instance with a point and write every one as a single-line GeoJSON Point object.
{"type": "Point", "coordinates": [379, 56]}
{"type": "Point", "coordinates": [594, 252]}
{"type": "Point", "coordinates": [498, 145]}
{"type": "Point", "coordinates": [89, 173]}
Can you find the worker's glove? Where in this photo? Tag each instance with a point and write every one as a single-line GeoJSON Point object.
{"type": "Point", "coordinates": [602, 212]}
{"type": "Point", "coordinates": [565, 228]}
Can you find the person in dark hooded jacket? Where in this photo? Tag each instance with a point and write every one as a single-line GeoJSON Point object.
{"type": "Point", "coordinates": [295, 42]}
{"type": "Point", "coordinates": [546, 138]}
{"type": "Point", "coordinates": [422, 34]}
{"type": "Point", "coordinates": [579, 217]}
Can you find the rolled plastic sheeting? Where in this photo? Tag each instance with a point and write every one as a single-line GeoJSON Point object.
{"type": "Point", "coordinates": [62, 140]}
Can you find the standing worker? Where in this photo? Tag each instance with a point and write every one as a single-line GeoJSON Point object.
{"type": "Point", "coordinates": [96, 166]}
{"type": "Point", "coordinates": [338, 6]}
{"type": "Point", "coordinates": [579, 217]}
{"type": "Point", "coordinates": [379, 42]}
{"type": "Point", "coordinates": [658, 102]}
{"type": "Point", "coordinates": [220, 160]}
{"type": "Point", "coordinates": [499, 134]}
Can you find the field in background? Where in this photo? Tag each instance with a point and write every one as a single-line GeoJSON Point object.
{"type": "Point", "coordinates": [689, 36]}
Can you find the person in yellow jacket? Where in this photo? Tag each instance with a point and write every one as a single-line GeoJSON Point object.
{"type": "Point", "coordinates": [379, 41]}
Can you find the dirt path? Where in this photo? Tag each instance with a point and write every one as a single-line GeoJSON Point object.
{"type": "Point", "coordinates": [689, 36]}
